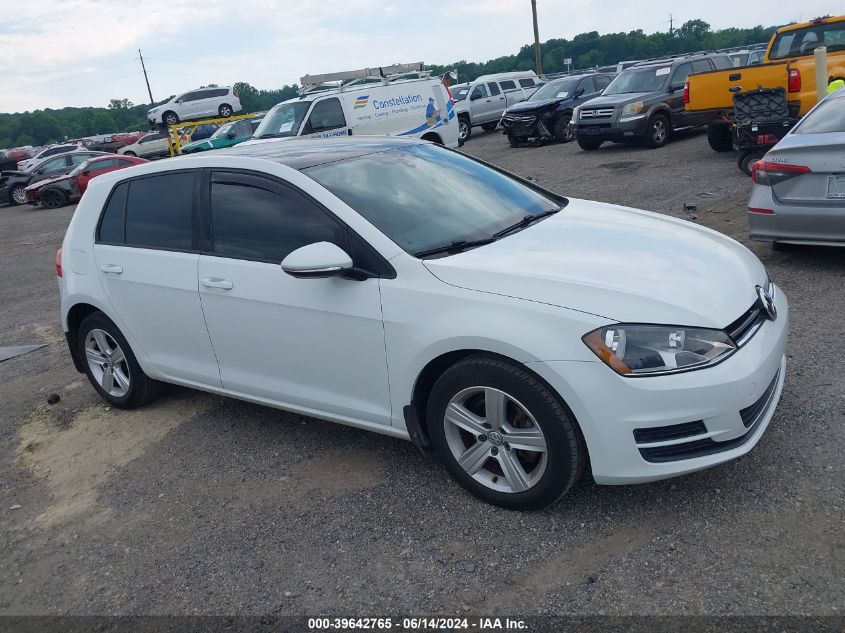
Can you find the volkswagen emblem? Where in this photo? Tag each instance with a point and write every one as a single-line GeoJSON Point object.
{"type": "Point", "coordinates": [495, 438]}
{"type": "Point", "coordinates": [767, 303]}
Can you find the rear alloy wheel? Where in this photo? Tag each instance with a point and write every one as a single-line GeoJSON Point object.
{"type": "Point", "coordinates": [225, 110]}
{"type": "Point", "coordinates": [503, 434]}
{"type": "Point", "coordinates": [53, 199]}
{"type": "Point", "coordinates": [657, 133]}
{"type": "Point", "coordinates": [464, 128]}
{"type": "Point", "coordinates": [18, 196]}
{"type": "Point", "coordinates": [563, 131]}
{"type": "Point", "coordinates": [111, 366]}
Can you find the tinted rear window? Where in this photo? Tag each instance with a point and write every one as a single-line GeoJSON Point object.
{"type": "Point", "coordinates": [804, 41]}
{"type": "Point", "coordinates": [111, 224]}
{"type": "Point", "coordinates": [828, 117]}
{"type": "Point", "coordinates": [158, 212]}
{"type": "Point", "coordinates": [507, 85]}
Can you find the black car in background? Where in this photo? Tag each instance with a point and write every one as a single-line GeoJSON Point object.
{"type": "Point", "coordinates": [545, 115]}
{"type": "Point", "coordinates": [13, 183]}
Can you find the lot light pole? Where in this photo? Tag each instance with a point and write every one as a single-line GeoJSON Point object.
{"type": "Point", "coordinates": [537, 60]}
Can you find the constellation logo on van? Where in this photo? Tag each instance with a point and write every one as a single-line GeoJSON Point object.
{"type": "Point", "coordinates": [361, 102]}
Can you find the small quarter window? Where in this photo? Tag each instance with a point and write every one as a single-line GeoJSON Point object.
{"type": "Point", "coordinates": [111, 224]}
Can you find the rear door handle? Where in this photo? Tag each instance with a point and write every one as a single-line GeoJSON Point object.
{"type": "Point", "coordinates": [217, 282]}
{"type": "Point", "coordinates": [112, 269]}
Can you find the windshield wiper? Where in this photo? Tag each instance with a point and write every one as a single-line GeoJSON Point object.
{"type": "Point", "coordinates": [271, 135]}
{"type": "Point", "coordinates": [525, 221]}
{"type": "Point", "coordinates": [456, 246]}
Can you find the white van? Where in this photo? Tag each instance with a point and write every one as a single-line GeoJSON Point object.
{"type": "Point", "coordinates": [415, 107]}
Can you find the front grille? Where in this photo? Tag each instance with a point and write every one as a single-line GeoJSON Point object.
{"type": "Point", "coordinates": [597, 113]}
{"type": "Point", "coordinates": [751, 417]}
{"type": "Point", "coordinates": [523, 120]}
{"type": "Point", "coordinates": [746, 325]}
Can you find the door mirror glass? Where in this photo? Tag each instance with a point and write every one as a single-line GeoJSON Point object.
{"type": "Point", "coordinates": [231, 135]}
{"type": "Point", "coordinates": [320, 259]}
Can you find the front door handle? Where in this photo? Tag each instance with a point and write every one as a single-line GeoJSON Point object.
{"type": "Point", "coordinates": [112, 269]}
{"type": "Point", "coordinates": [217, 282]}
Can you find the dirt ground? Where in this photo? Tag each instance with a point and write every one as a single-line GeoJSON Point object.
{"type": "Point", "coordinates": [203, 505]}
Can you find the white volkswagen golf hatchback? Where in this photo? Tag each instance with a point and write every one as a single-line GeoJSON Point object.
{"type": "Point", "coordinates": [404, 288]}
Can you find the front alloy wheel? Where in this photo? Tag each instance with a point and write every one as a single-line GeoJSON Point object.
{"type": "Point", "coordinates": [464, 129]}
{"type": "Point", "coordinates": [503, 434]}
{"type": "Point", "coordinates": [495, 439]}
{"type": "Point", "coordinates": [18, 195]}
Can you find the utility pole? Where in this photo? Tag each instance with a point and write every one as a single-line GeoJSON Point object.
{"type": "Point", "coordinates": [537, 59]}
{"type": "Point", "coordinates": [150, 92]}
{"type": "Point", "coordinates": [671, 25]}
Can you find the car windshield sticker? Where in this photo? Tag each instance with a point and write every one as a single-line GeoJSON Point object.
{"type": "Point", "coordinates": [662, 71]}
{"type": "Point", "coordinates": [561, 95]}
{"type": "Point", "coordinates": [463, 92]}
{"type": "Point", "coordinates": [286, 127]}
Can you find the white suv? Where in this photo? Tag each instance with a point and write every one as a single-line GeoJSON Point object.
{"type": "Point", "coordinates": [507, 327]}
{"type": "Point", "coordinates": [217, 101]}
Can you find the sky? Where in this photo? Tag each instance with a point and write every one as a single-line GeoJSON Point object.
{"type": "Point", "coordinates": [56, 53]}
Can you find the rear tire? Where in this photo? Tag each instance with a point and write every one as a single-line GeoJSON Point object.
{"type": "Point", "coordinates": [53, 199]}
{"type": "Point", "coordinates": [480, 410]}
{"type": "Point", "coordinates": [719, 136]}
{"type": "Point", "coordinates": [225, 110]}
{"type": "Point", "coordinates": [464, 128]}
{"type": "Point", "coordinates": [747, 160]}
{"type": "Point", "coordinates": [588, 145]}
{"type": "Point", "coordinates": [129, 154]}
{"type": "Point", "coordinates": [657, 132]}
{"type": "Point", "coordinates": [563, 131]}
{"type": "Point", "coordinates": [111, 366]}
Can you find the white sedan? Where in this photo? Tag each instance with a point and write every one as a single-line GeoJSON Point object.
{"type": "Point", "coordinates": [404, 288]}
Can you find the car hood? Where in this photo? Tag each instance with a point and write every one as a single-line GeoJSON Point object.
{"type": "Point", "coordinates": [623, 264]}
{"type": "Point", "coordinates": [204, 143]}
{"type": "Point", "coordinates": [614, 100]}
{"type": "Point", "coordinates": [528, 106]}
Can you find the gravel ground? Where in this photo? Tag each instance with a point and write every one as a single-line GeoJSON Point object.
{"type": "Point", "coordinates": [202, 505]}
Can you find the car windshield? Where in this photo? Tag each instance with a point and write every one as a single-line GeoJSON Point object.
{"type": "Point", "coordinates": [425, 197]}
{"type": "Point", "coordinates": [223, 130]}
{"type": "Point", "coordinates": [649, 79]}
{"type": "Point", "coordinates": [459, 91]}
{"type": "Point", "coordinates": [555, 90]}
{"type": "Point", "coordinates": [284, 119]}
{"type": "Point", "coordinates": [827, 118]}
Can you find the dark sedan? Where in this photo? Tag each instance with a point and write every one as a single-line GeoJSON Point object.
{"type": "Point", "coordinates": [545, 115]}
{"type": "Point", "coordinates": [14, 183]}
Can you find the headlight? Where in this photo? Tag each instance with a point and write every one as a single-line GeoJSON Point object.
{"type": "Point", "coordinates": [645, 350]}
{"type": "Point", "coordinates": [633, 108]}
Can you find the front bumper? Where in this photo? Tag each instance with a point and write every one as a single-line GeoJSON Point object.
{"type": "Point", "coordinates": [625, 420]}
{"type": "Point", "coordinates": [619, 130]}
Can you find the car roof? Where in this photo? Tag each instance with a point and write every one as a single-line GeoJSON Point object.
{"type": "Point", "coordinates": [302, 154]}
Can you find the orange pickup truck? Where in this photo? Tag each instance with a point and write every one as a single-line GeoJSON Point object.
{"type": "Point", "coordinates": [789, 63]}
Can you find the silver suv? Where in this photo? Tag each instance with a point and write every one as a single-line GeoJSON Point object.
{"type": "Point", "coordinates": [483, 101]}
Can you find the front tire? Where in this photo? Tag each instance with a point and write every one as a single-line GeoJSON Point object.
{"type": "Point", "coordinates": [588, 145]}
{"type": "Point", "coordinates": [464, 128]}
{"type": "Point", "coordinates": [563, 131]}
{"type": "Point", "coordinates": [658, 132]}
{"type": "Point", "coordinates": [503, 434]}
{"type": "Point", "coordinates": [129, 154]}
{"type": "Point", "coordinates": [111, 366]}
{"type": "Point", "coordinates": [53, 199]}
{"type": "Point", "coordinates": [170, 118]}
{"type": "Point", "coordinates": [18, 196]}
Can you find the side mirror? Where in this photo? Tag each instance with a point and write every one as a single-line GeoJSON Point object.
{"type": "Point", "coordinates": [676, 87]}
{"type": "Point", "coordinates": [321, 259]}
{"type": "Point", "coordinates": [579, 92]}
{"type": "Point", "coordinates": [231, 135]}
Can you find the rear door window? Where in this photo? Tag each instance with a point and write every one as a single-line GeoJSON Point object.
{"type": "Point", "coordinates": [526, 83]}
{"type": "Point", "coordinates": [601, 82]}
{"type": "Point", "coordinates": [158, 211]}
{"type": "Point", "coordinates": [507, 85]}
{"type": "Point", "coordinates": [702, 66]}
{"type": "Point", "coordinates": [494, 88]}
